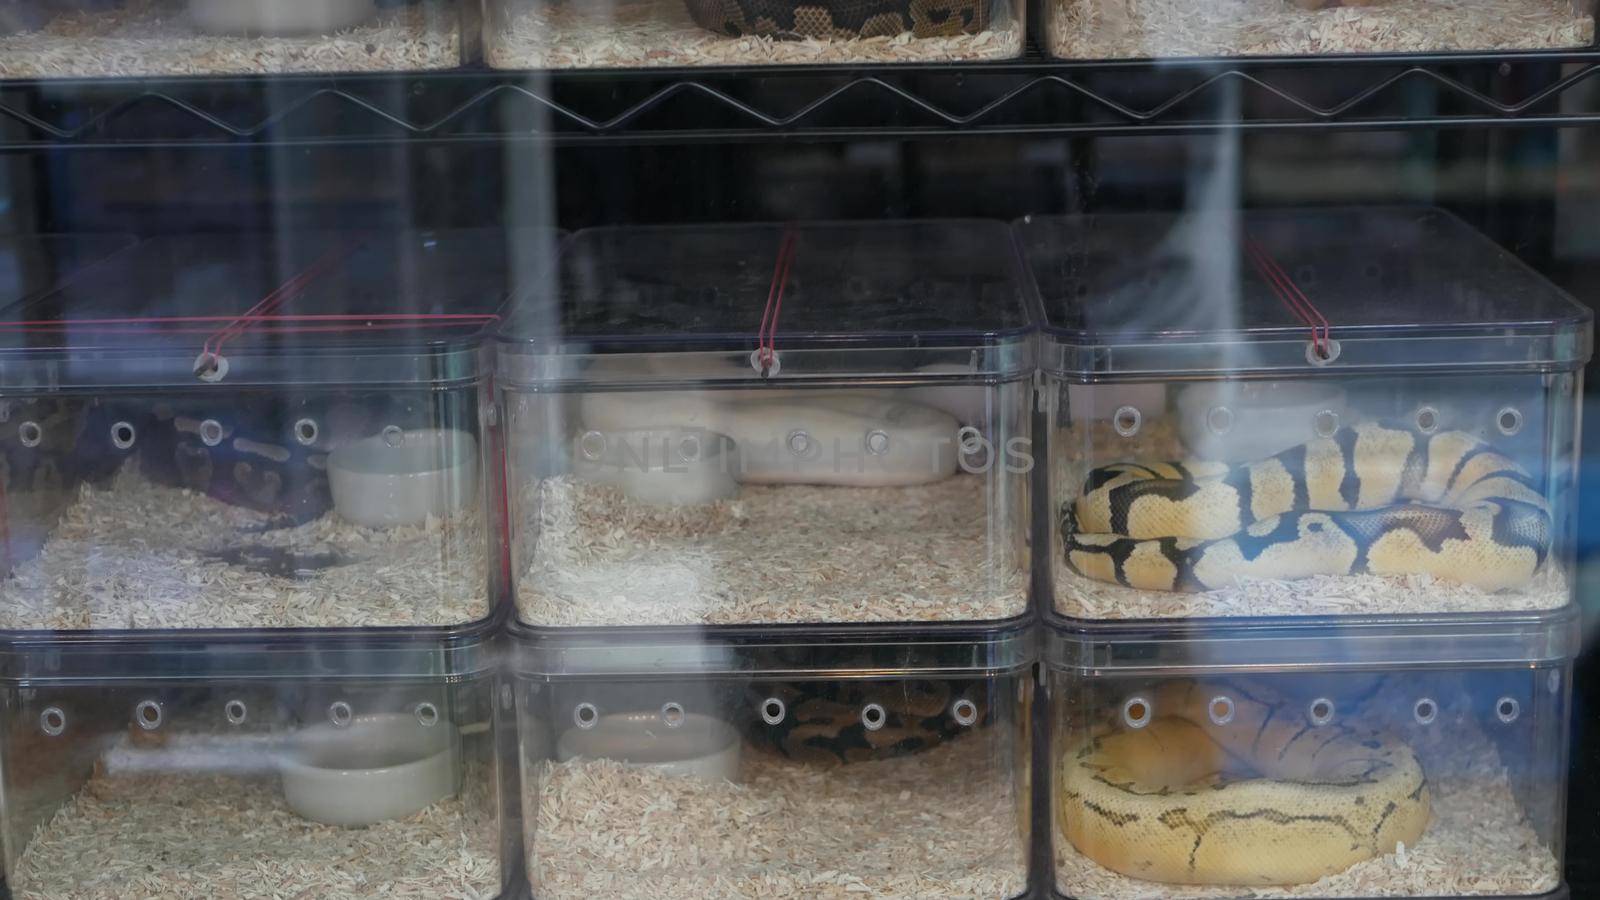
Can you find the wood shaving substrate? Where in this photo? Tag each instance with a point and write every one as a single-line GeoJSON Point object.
{"type": "Point", "coordinates": [1477, 843]}
{"type": "Point", "coordinates": [937, 824]}
{"type": "Point", "coordinates": [1123, 29]}
{"type": "Point", "coordinates": [137, 555]}
{"type": "Point", "coordinates": [198, 837]}
{"type": "Point", "coordinates": [154, 37]}
{"type": "Point", "coordinates": [775, 554]}
{"type": "Point", "coordinates": [631, 33]}
{"type": "Point", "coordinates": [1331, 595]}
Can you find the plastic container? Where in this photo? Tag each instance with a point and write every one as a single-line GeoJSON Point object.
{"type": "Point", "coordinates": [694, 768]}
{"type": "Point", "coordinates": [33, 263]}
{"type": "Point", "coordinates": [1416, 455]}
{"type": "Point", "coordinates": [140, 771]}
{"type": "Point", "coordinates": [1361, 758]}
{"type": "Point", "coordinates": [570, 34]}
{"type": "Point", "coordinates": [118, 38]}
{"type": "Point", "coordinates": [256, 432]}
{"type": "Point", "coordinates": [1122, 29]}
{"type": "Point", "coordinates": [873, 469]}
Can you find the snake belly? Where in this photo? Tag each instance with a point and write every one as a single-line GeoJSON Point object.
{"type": "Point", "coordinates": [1268, 798]}
{"type": "Point", "coordinates": [1370, 498]}
{"type": "Point", "coordinates": [824, 19]}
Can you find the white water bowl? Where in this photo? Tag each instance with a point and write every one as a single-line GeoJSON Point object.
{"type": "Point", "coordinates": [1243, 421]}
{"type": "Point", "coordinates": [378, 767]}
{"type": "Point", "coordinates": [700, 746]}
{"type": "Point", "coordinates": [279, 18]}
{"type": "Point", "coordinates": [402, 477]}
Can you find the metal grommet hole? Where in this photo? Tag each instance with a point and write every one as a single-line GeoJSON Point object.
{"type": "Point", "coordinates": [1507, 709]}
{"type": "Point", "coordinates": [1425, 711]}
{"type": "Point", "coordinates": [773, 710]}
{"type": "Point", "coordinates": [235, 711]}
{"type": "Point", "coordinates": [689, 448]}
{"type": "Point", "coordinates": [585, 715]}
{"type": "Point", "coordinates": [52, 721]}
{"type": "Point", "coordinates": [672, 714]}
{"type": "Point", "coordinates": [148, 714]}
{"type": "Point", "coordinates": [1219, 419]}
{"type": "Point", "coordinates": [1136, 712]}
{"type": "Point", "coordinates": [873, 716]}
{"type": "Point", "coordinates": [965, 712]}
{"type": "Point", "coordinates": [1220, 709]}
{"type": "Point", "coordinates": [1508, 420]}
{"type": "Point", "coordinates": [123, 435]}
{"type": "Point", "coordinates": [210, 367]}
{"type": "Point", "coordinates": [1321, 711]}
{"type": "Point", "coordinates": [306, 431]}
{"type": "Point", "coordinates": [1427, 420]}
{"type": "Point", "coordinates": [211, 432]}
{"type": "Point", "coordinates": [393, 435]}
{"type": "Point", "coordinates": [339, 713]}
{"type": "Point", "coordinates": [971, 440]}
{"type": "Point", "coordinates": [801, 444]}
{"type": "Point", "coordinates": [877, 442]}
{"type": "Point", "coordinates": [1323, 355]}
{"type": "Point", "coordinates": [427, 714]}
{"type": "Point", "coordinates": [592, 445]}
{"type": "Point", "coordinates": [30, 434]}
{"type": "Point", "coordinates": [1127, 420]}
{"type": "Point", "coordinates": [1326, 423]}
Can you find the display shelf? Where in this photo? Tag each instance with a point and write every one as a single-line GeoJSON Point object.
{"type": "Point", "coordinates": [1027, 96]}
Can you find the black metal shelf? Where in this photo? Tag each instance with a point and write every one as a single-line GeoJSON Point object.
{"type": "Point", "coordinates": [1027, 96]}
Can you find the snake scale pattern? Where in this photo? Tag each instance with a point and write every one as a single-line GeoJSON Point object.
{"type": "Point", "coordinates": [1249, 793]}
{"type": "Point", "coordinates": [823, 722]}
{"type": "Point", "coordinates": [823, 19]}
{"type": "Point", "coordinates": [1367, 499]}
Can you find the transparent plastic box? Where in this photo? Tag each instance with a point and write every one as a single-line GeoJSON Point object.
{"type": "Point", "coordinates": [873, 468]}
{"type": "Point", "coordinates": [805, 769]}
{"type": "Point", "coordinates": [1364, 758]}
{"type": "Point", "coordinates": [1405, 443]}
{"type": "Point", "coordinates": [573, 34]}
{"type": "Point", "coordinates": [112, 38]}
{"type": "Point", "coordinates": [225, 770]}
{"type": "Point", "coordinates": [255, 432]}
{"type": "Point", "coordinates": [1123, 29]}
{"type": "Point", "coordinates": [37, 262]}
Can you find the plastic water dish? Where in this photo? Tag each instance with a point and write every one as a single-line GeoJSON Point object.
{"type": "Point", "coordinates": [1243, 421]}
{"type": "Point", "coordinates": [698, 746]}
{"type": "Point", "coordinates": [279, 18]}
{"type": "Point", "coordinates": [402, 477]}
{"type": "Point", "coordinates": [374, 769]}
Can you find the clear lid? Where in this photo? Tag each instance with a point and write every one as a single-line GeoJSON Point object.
{"type": "Point", "coordinates": [265, 309]}
{"type": "Point", "coordinates": [1146, 295]}
{"type": "Point", "coordinates": [1177, 647]}
{"type": "Point", "coordinates": [861, 300]}
{"type": "Point", "coordinates": [37, 262]}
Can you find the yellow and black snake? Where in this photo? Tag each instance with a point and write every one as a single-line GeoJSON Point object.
{"type": "Point", "coordinates": [841, 18]}
{"type": "Point", "coordinates": [1370, 498]}
{"type": "Point", "coordinates": [826, 721]}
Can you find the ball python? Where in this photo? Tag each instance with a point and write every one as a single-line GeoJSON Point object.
{"type": "Point", "coordinates": [795, 19]}
{"type": "Point", "coordinates": [1370, 498]}
{"type": "Point", "coordinates": [1265, 798]}
{"type": "Point", "coordinates": [823, 722]}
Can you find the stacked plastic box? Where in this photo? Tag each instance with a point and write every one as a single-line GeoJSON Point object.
{"type": "Point", "coordinates": [769, 505]}
{"type": "Point", "coordinates": [253, 563]}
{"type": "Point", "coordinates": [1327, 653]}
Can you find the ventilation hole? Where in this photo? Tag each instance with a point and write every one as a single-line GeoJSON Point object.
{"type": "Point", "coordinates": [1326, 423]}
{"type": "Point", "coordinates": [148, 715]}
{"type": "Point", "coordinates": [965, 712]}
{"type": "Point", "coordinates": [1136, 712]}
{"type": "Point", "coordinates": [235, 711]}
{"type": "Point", "coordinates": [873, 716]}
{"type": "Point", "coordinates": [1321, 356]}
{"type": "Point", "coordinates": [122, 435]}
{"type": "Point", "coordinates": [1508, 420]}
{"type": "Point", "coordinates": [773, 710]}
{"type": "Point", "coordinates": [306, 431]}
{"type": "Point", "coordinates": [1321, 711]}
{"type": "Point", "coordinates": [672, 714]}
{"type": "Point", "coordinates": [1507, 709]}
{"type": "Point", "coordinates": [1221, 709]}
{"type": "Point", "coordinates": [427, 714]}
{"type": "Point", "coordinates": [30, 434]}
{"type": "Point", "coordinates": [877, 442]}
{"type": "Point", "coordinates": [1427, 420]}
{"type": "Point", "coordinates": [393, 436]}
{"type": "Point", "coordinates": [1425, 711]}
{"type": "Point", "coordinates": [592, 445]}
{"type": "Point", "coordinates": [800, 444]}
{"type": "Point", "coordinates": [1127, 421]}
{"type": "Point", "coordinates": [971, 440]}
{"type": "Point", "coordinates": [585, 715]}
{"type": "Point", "coordinates": [339, 713]}
{"type": "Point", "coordinates": [1219, 420]}
{"type": "Point", "coordinates": [211, 432]}
{"type": "Point", "coordinates": [52, 721]}
{"type": "Point", "coordinates": [689, 448]}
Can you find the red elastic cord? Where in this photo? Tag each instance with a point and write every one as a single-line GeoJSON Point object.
{"type": "Point", "coordinates": [264, 308]}
{"type": "Point", "coordinates": [1290, 295]}
{"type": "Point", "coordinates": [767, 336]}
